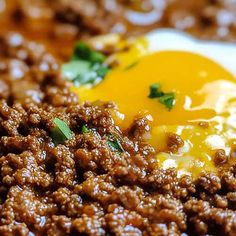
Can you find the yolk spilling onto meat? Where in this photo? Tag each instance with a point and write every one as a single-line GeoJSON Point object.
{"type": "Point", "coordinates": [204, 92]}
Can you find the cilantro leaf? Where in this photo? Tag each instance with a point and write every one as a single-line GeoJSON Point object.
{"type": "Point", "coordinates": [86, 66]}
{"type": "Point", "coordinates": [168, 100]}
{"type": "Point", "coordinates": [61, 132]}
{"type": "Point", "coordinates": [155, 91]}
{"type": "Point", "coordinates": [82, 51]}
{"type": "Point", "coordinates": [75, 68]}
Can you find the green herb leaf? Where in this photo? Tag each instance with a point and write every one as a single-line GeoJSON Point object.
{"type": "Point", "coordinates": [73, 69]}
{"type": "Point", "coordinates": [82, 51]}
{"type": "Point", "coordinates": [114, 143]}
{"type": "Point", "coordinates": [85, 67]}
{"type": "Point", "coordinates": [100, 69]}
{"type": "Point", "coordinates": [83, 72]}
{"type": "Point", "coordinates": [61, 132]}
{"type": "Point", "coordinates": [168, 100]}
{"type": "Point", "coordinates": [85, 129]}
{"type": "Point", "coordinates": [155, 91]}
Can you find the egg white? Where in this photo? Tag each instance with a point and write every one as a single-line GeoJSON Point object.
{"type": "Point", "coordinates": [168, 39]}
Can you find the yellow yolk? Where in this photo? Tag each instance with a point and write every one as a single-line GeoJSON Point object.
{"type": "Point", "coordinates": [204, 92]}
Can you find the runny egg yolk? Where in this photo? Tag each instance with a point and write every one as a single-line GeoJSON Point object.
{"type": "Point", "coordinates": [204, 91]}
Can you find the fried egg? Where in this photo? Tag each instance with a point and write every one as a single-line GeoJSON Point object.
{"type": "Point", "coordinates": [202, 77]}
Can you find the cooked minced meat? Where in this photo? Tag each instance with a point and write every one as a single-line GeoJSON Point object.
{"type": "Point", "coordinates": [66, 19]}
{"type": "Point", "coordinates": [85, 186]}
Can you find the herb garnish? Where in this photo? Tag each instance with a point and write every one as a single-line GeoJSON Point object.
{"type": "Point", "coordinates": [85, 129]}
{"type": "Point", "coordinates": [114, 143]}
{"type": "Point", "coordinates": [83, 52]}
{"type": "Point", "coordinates": [86, 66]}
{"type": "Point", "coordinates": [167, 99]}
{"type": "Point", "coordinates": [61, 132]}
{"type": "Point", "coordinates": [155, 91]}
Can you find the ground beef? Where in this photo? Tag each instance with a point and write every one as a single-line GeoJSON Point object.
{"type": "Point", "coordinates": [220, 157]}
{"type": "Point", "coordinates": [203, 18]}
{"type": "Point", "coordinates": [61, 22]}
{"type": "Point", "coordinates": [213, 19]}
{"type": "Point", "coordinates": [83, 186]}
{"type": "Point", "coordinates": [174, 142]}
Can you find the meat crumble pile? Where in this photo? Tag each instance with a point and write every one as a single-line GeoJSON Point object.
{"type": "Point", "coordinates": [83, 186]}
{"type": "Point", "coordinates": [208, 19]}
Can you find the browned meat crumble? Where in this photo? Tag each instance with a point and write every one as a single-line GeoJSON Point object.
{"type": "Point", "coordinates": [83, 187]}
{"type": "Point", "coordinates": [209, 19]}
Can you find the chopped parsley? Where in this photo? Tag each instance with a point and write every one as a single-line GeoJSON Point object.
{"type": "Point", "coordinates": [86, 66]}
{"type": "Point", "coordinates": [85, 129]}
{"type": "Point", "coordinates": [114, 143]}
{"type": "Point", "coordinates": [61, 132]}
{"type": "Point", "coordinates": [167, 99]}
{"type": "Point", "coordinates": [155, 91]}
{"type": "Point", "coordinates": [83, 52]}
